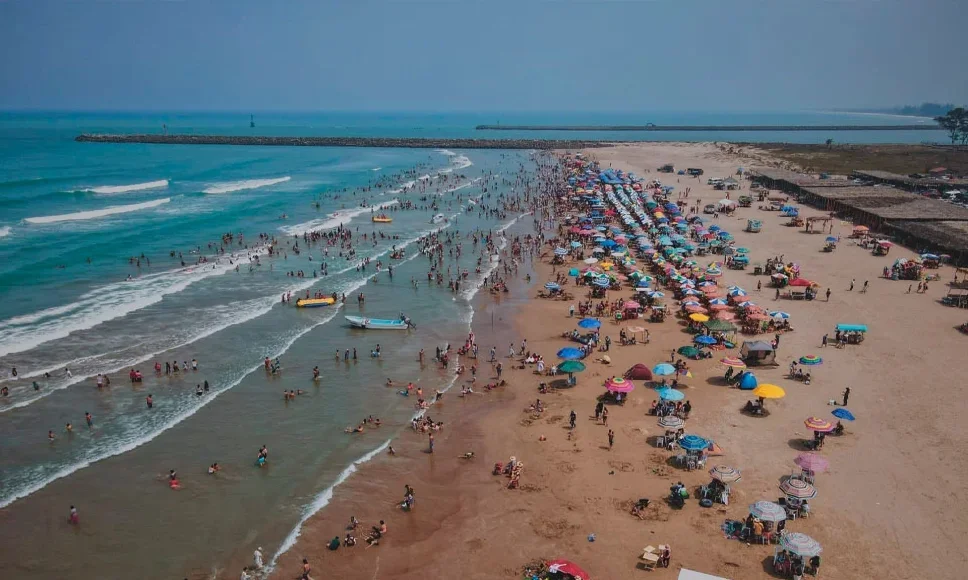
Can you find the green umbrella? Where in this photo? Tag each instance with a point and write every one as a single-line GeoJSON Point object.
{"type": "Point", "coordinates": [688, 351]}
{"type": "Point", "coordinates": [571, 366]}
{"type": "Point", "coordinates": [719, 325]}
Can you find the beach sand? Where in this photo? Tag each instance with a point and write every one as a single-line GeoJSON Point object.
{"type": "Point", "coordinates": [887, 508]}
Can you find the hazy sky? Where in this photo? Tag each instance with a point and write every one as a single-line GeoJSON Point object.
{"type": "Point", "coordinates": [480, 55]}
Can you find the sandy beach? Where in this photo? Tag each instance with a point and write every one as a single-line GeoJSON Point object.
{"type": "Point", "coordinates": [886, 507]}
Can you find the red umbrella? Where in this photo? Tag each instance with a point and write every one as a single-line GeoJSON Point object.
{"type": "Point", "coordinates": [566, 567]}
{"type": "Point", "coordinates": [802, 282]}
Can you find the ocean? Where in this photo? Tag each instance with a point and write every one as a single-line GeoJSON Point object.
{"type": "Point", "coordinates": [76, 293]}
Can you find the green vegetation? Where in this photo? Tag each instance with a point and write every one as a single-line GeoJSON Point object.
{"type": "Point", "coordinates": [955, 122]}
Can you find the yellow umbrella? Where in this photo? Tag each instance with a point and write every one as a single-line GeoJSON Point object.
{"type": "Point", "coordinates": [768, 391]}
{"type": "Point", "coordinates": [698, 317]}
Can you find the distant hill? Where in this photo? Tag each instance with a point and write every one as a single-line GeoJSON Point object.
{"type": "Point", "coordinates": [923, 110]}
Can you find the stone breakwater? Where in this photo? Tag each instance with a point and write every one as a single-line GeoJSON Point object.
{"type": "Point", "coordinates": [413, 143]}
{"type": "Point", "coordinates": [668, 128]}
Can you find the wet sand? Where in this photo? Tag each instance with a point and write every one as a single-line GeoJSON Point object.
{"type": "Point", "coordinates": [886, 509]}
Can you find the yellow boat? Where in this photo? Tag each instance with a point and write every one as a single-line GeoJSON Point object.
{"type": "Point", "coordinates": [382, 219]}
{"type": "Point", "coordinates": [315, 302]}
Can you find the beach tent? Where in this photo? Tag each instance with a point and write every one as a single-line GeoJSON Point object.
{"type": "Point", "coordinates": [639, 372]}
{"type": "Point", "coordinates": [685, 574]}
{"type": "Point", "coordinates": [757, 352]}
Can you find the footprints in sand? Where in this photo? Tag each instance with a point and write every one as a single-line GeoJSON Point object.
{"type": "Point", "coordinates": [552, 529]}
{"type": "Point", "coordinates": [623, 466]}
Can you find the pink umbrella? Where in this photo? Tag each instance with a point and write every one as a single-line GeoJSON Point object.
{"type": "Point", "coordinates": [811, 462]}
{"type": "Point", "coordinates": [725, 315]}
{"type": "Point", "coordinates": [631, 304]}
{"type": "Point", "coordinates": [619, 385]}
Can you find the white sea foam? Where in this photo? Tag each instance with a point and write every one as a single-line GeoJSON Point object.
{"type": "Point", "coordinates": [319, 502]}
{"type": "Point", "coordinates": [230, 186]}
{"type": "Point", "coordinates": [97, 213]}
{"type": "Point", "coordinates": [424, 177]}
{"type": "Point", "coordinates": [461, 162]}
{"type": "Point", "coordinates": [460, 186]}
{"type": "Point", "coordinates": [4, 231]}
{"type": "Point", "coordinates": [112, 189]}
{"type": "Point", "coordinates": [446, 152]}
{"type": "Point", "coordinates": [22, 333]}
{"type": "Point", "coordinates": [332, 220]}
{"type": "Point", "coordinates": [376, 169]}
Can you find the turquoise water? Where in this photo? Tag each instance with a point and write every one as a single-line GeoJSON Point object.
{"type": "Point", "coordinates": [72, 218]}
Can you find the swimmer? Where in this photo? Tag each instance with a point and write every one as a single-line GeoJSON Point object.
{"type": "Point", "coordinates": [50, 435]}
{"type": "Point", "coordinates": [149, 401]}
{"type": "Point", "coordinates": [198, 390]}
{"type": "Point", "coordinates": [89, 419]}
{"type": "Point", "coordinates": [213, 468]}
{"type": "Point", "coordinates": [316, 373]}
{"type": "Point", "coordinates": [389, 383]}
{"type": "Point", "coordinates": [69, 428]}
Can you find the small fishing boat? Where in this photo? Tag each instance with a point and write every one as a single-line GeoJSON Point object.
{"type": "Point", "coordinates": [315, 302]}
{"type": "Point", "coordinates": [439, 218]}
{"type": "Point", "coordinates": [382, 219]}
{"type": "Point", "coordinates": [378, 323]}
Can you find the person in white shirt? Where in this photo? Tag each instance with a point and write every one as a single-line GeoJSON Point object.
{"type": "Point", "coordinates": [257, 558]}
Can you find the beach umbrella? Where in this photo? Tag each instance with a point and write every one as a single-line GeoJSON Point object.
{"type": "Point", "coordinates": [631, 305]}
{"type": "Point", "coordinates": [570, 353]}
{"type": "Point", "coordinates": [800, 544]}
{"type": "Point", "coordinates": [575, 244]}
{"type": "Point", "coordinates": [725, 315]}
{"type": "Point", "coordinates": [663, 370]}
{"type": "Point", "coordinates": [590, 323]}
{"type": "Point", "coordinates": [768, 511]}
{"type": "Point", "coordinates": [830, 239]}
{"type": "Point", "coordinates": [591, 260]}
{"type": "Point", "coordinates": [842, 413]}
{"type": "Point", "coordinates": [725, 474]}
{"type": "Point", "coordinates": [718, 302]}
{"type": "Point", "coordinates": [691, 292]}
{"type": "Point", "coordinates": [552, 286]}
{"type": "Point", "coordinates": [571, 366]}
{"type": "Point", "coordinates": [779, 315]}
{"type": "Point", "coordinates": [746, 304]}
{"type": "Point", "coordinates": [569, 568]}
{"type": "Point", "coordinates": [797, 488]}
{"type": "Point", "coordinates": [748, 382]}
{"type": "Point", "coordinates": [811, 462]}
{"type": "Point", "coordinates": [733, 362]}
{"type": "Point", "coordinates": [769, 391]}
{"type": "Point", "coordinates": [656, 294]}
{"type": "Point", "coordinates": [602, 282]}
{"type": "Point", "coordinates": [811, 359]}
{"type": "Point", "coordinates": [703, 339]}
{"type": "Point", "coordinates": [561, 252]}
{"type": "Point", "coordinates": [619, 385]}
{"type": "Point", "coordinates": [742, 250]}
{"type": "Point", "coordinates": [693, 443]}
{"type": "Point", "coordinates": [697, 317]}
{"type": "Point", "coordinates": [668, 394]}
{"type": "Point", "coordinates": [671, 422]}
{"type": "Point", "coordinates": [737, 292]}
{"type": "Point", "coordinates": [688, 351]}
{"type": "Point", "coordinates": [598, 251]}
{"type": "Point", "coordinates": [818, 424]}
{"type": "Point", "coordinates": [573, 272]}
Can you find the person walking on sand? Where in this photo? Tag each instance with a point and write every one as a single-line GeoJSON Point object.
{"type": "Point", "coordinates": [823, 342]}
{"type": "Point", "coordinates": [572, 418]}
{"type": "Point", "coordinates": [500, 368]}
{"type": "Point", "coordinates": [611, 439]}
{"type": "Point", "coordinates": [431, 442]}
{"type": "Point", "coordinates": [852, 280]}
{"type": "Point", "coordinates": [828, 294]}
{"type": "Point", "coordinates": [864, 289]}
{"type": "Point", "coordinates": [72, 517]}
{"type": "Point", "coordinates": [846, 396]}
{"type": "Point", "coordinates": [605, 416]}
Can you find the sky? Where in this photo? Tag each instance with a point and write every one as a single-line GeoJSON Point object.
{"type": "Point", "coordinates": [480, 55]}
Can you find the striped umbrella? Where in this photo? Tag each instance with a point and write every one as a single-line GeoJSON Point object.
{"type": "Point", "coordinates": [725, 474]}
{"type": "Point", "coordinates": [768, 511]}
{"type": "Point", "coordinates": [797, 488]}
{"type": "Point", "coordinates": [818, 424]}
{"type": "Point", "coordinates": [552, 286]}
{"type": "Point", "coordinates": [602, 282]}
{"type": "Point", "coordinates": [671, 422]}
{"type": "Point", "coordinates": [811, 359]}
{"type": "Point", "coordinates": [812, 462]}
{"type": "Point", "coordinates": [779, 315]}
{"type": "Point", "coordinates": [800, 544]}
{"type": "Point", "coordinates": [718, 302]}
{"type": "Point", "coordinates": [561, 252]}
{"type": "Point", "coordinates": [619, 385]}
{"type": "Point", "coordinates": [732, 362]}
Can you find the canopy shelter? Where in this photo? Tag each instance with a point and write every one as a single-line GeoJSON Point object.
{"type": "Point", "coordinates": [757, 353]}
{"type": "Point", "coordinates": [685, 574]}
{"type": "Point", "coordinates": [639, 372]}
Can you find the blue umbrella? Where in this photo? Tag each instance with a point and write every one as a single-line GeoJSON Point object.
{"type": "Point", "coordinates": [670, 394]}
{"type": "Point", "coordinates": [576, 244]}
{"type": "Point", "coordinates": [569, 353]}
{"type": "Point", "coordinates": [602, 282]}
{"type": "Point", "coordinates": [748, 382]}
{"type": "Point", "coordinates": [561, 252]}
{"type": "Point", "coordinates": [831, 239]}
{"type": "Point", "coordinates": [589, 323]}
{"type": "Point", "coordinates": [842, 413]}
{"type": "Point", "coordinates": [573, 272]}
{"type": "Point", "coordinates": [552, 286]}
{"type": "Point", "coordinates": [693, 443]}
{"type": "Point", "coordinates": [703, 339]}
{"type": "Point", "coordinates": [663, 370]}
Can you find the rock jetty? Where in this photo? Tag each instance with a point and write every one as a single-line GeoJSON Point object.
{"type": "Point", "coordinates": [413, 143]}
{"type": "Point", "coordinates": [668, 128]}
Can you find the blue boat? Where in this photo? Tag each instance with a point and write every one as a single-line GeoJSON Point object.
{"type": "Point", "coordinates": [379, 323]}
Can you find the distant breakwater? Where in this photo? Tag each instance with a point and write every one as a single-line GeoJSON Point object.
{"type": "Point", "coordinates": [670, 128]}
{"type": "Point", "coordinates": [384, 142]}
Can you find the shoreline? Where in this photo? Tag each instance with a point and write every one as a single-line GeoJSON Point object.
{"type": "Point", "coordinates": [467, 524]}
